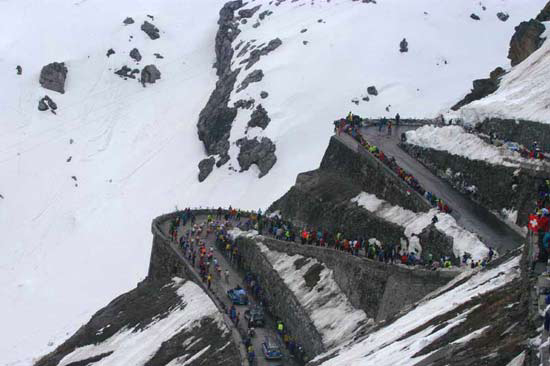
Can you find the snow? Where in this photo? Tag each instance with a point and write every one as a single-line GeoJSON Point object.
{"type": "Point", "coordinates": [523, 92]}
{"type": "Point", "coordinates": [455, 140]}
{"type": "Point", "coordinates": [137, 347]}
{"type": "Point", "coordinates": [518, 360]}
{"type": "Point", "coordinates": [473, 335]}
{"type": "Point", "coordinates": [70, 250]}
{"type": "Point", "coordinates": [394, 345]}
{"type": "Point", "coordinates": [330, 310]}
{"type": "Point", "coordinates": [414, 223]}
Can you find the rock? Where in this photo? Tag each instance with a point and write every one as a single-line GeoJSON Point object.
{"type": "Point", "coordinates": [319, 20]}
{"type": "Point", "coordinates": [46, 103]}
{"type": "Point", "coordinates": [404, 46]}
{"type": "Point", "coordinates": [253, 77]}
{"type": "Point", "coordinates": [355, 101]}
{"type": "Point", "coordinates": [305, 43]}
{"type": "Point", "coordinates": [481, 88]}
{"type": "Point", "coordinates": [74, 178]}
{"type": "Point", "coordinates": [150, 17]}
{"type": "Point", "coordinates": [475, 16]}
{"type": "Point", "coordinates": [437, 244]}
{"type": "Point", "coordinates": [158, 55]}
{"type": "Point", "coordinates": [372, 90]}
{"type": "Point", "coordinates": [259, 118]}
{"type": "Point", "coordinates": [223, 159]}
{"type": "Point", "coordinates": [256, 54]}
{"type": "Point", "coordinates": [525, 41]}
{"type": "Point", "coordinates": [245, 104]}
{"type": "Point", "coordinates": [53, 77]}
{"type": "Point", "coordinates": [134, 53]}
{"type": "Point", "coordinates": [264, 14]}
{"type": "Point", "coordinates": [19, 69]}
{"type": "Point", "coordinates": [503, 16]}
{"type": "Point", "coordinates": [42, 106]}
{"type": "Point", "coordinates": [50, 102]}
{"type": "Point", "coordinates": [256, 25]}
{"type": "Point", "coordinates": [150, 30]}
{"type": "Point", "coordinates": [248, 13]}
{"type": "Point", "coordinates": [261, 153]}
{"type": "Point", "coordinates": [366, 98]}
{"type": "Point", "coordinates": [149, 74]}
{"type": "Point", "coordinates": [69, 159]}
{"type": "Point", "coordinates": [128, 21]}
{"type": "Point", "coordinates": [110, 52]}
{"type": "Point", "coordinates": [244, 21]}
{"type": "Point", "coordinates": [264, 94]}
{"type": "Point", "coordinates": [544, 14]}
{"type": "Point", "coordinates": [303, 30]}
{"type": "Point", "coordinates": [126, 72]}
{"type": "Point", "coordinates": [205, 168]}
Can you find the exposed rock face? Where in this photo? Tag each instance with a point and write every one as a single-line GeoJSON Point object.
{"type": "Point", "coordinates": [128, 21]}
{"type": "Point", "coordinates": [249, 13]}
{"type": "Point", "coordinates": [259, 118]}
{"type": "Point", "coordinates": [544, 14]}
{"type": "Point", "coordinates": [254, 77]}
{"type": "Point", "coordinates": [525, 41]}
{"type": "Point", "coordinates": [372, 90]}
{"type": "Point", "coordinates": [126, 72]}
{"type": "Point", "coordinates": [437, 244]}
{"type": "Point", "coordinates": [134, 53]}
{"type": "Point", "coordinates": [257, 53]}
{"type": "Point", "coordinates": [149, 75]}
{"type": "Point", "coordinates": [228, 30]}
{"type": "Point", "coordinates": [261, 153]}
{"type": "Point", "coordinates": [475, 16]}
{"type": "Point", "coordinates": [482, 88]}
{"type": "Point", "coordinates": [404, 46]}
{"type": "Point", "coordinates": [503, 16]}
{"type": "Point", "coordinates": [205, 168]}
{"type": "Point", "coordinates": [150, 30]}
{"type": "Point", "coordinates": [53, 77]}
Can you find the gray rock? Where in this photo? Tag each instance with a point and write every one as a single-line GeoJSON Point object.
{"type": "Point", "coordinates": [53, 77]}
{"type": "Point", "coordinates": [264, 94]}
{"type": "Point", "coordinates": [150, 30]}
{"type": "Point", "coordinates": [544, 14]}
{"type": "Point", "coordinates": [50, 103]}
{"type": "Point", "coordinates": [244, 103]}
{"type": "Point", "coordinates": [503, 16]}
{"type": "Point", "coordinates": [256, 54]}
{"type": "Point", "coordinates": [42, 106]}
{"type": "Point", "coordinates": [525, 41]}
{"type": "Point", "coordinates": [126, 72]}
{"type": "Point", "coordinates": [305, 43]}
{"type": "Point", "coordinates": [134, 53]}
{"type": "Point", "coordinates": [404, 46]}
{"type": "Point", "coordinates": [372, 90]}
{"type": "Point", "coordinates": [303, 30]}
{"type": "Point", "coordinates": [261, 153]}
{"type": "Point", "coordinates": [264, 14]}
{"type": "Point", "coordinates": [253, 77]}
{"type": "Point", "coordinates": [110, 52]}
{"type": "Point", "coordinates": [248, 13]}
{"type": "Point", "coordinates": [475, 16]}
{"type": "Point", "coordinates": [149, 75]}
{"type": "Point", "coordinates": [19, 69]}
{"type": "Point", "coordinates": [128, 21]}
{"type": "Point", "coordinates": [158, 55]}
{"type": "Point", "coordinates": [256, 25]}
{"type": "Point", "coordinates": [259, 118]}
{"type": "Point", "coordinates": [355, 101]}
{"type": "Point", "coordinates": [481, 88]}
{"type": "Point", "coordinates": [366, 98]}
{"type": "Point", "coordinates": [205, 168]}
{"type": "Point", "coordinates": [223, 159]}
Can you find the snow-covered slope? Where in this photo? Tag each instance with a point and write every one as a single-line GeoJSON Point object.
{"type": "Point", "coordinates": [523, 92]}
{"type": "Point", "coordinates": [66, 249]}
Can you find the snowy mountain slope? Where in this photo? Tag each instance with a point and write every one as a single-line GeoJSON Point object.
{"type": "Point", "coordinates": [523, 92]}
{"type": "Point", "coordinates": [67, 250]}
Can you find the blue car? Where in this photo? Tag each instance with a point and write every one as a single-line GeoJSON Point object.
{"type": "Point", "coordinates": [238, 296]}
{"type": "Point", "coordinates": [271, 349]}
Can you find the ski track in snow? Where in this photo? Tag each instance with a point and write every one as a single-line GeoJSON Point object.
{"type": "Point", "coordinates": [70, 250]}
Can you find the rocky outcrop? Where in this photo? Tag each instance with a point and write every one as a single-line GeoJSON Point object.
{"type": "Point", "coordinates": [249, 13]}
{"type": "Point", "coordinates": [525, 41]}
{"type": "Point", "coordinates": [205, 168]}
{"type": "Point", "coordinates": [254, 77]}
{"type": "Point", "coordinates": [404, 46]}
{"type": "Point", "coordinates": [150, 29]}
{"type": "Point", "coordinates": [257, 53]}
{"type": "Point", "coordinates": [481, 88]}
{"type": "Point", "coordinates": [53, 77]}
{"type": "Point", "coordinates": [261, 153]}
{"type": "Point", "coordinates": [544, 14]}
{"type": "Point", "coordinates": [259, 118]}
{"type": "Point", "coordinates": [149, 75]}
{"type": "Point", "coordinates": [244, 103]}
{"type": "Point", "coordinates": [134, 53]}
{"type": "Point", "coordinates": [128, 21]}
{"type": "Point", "coordinates": [437, 244]}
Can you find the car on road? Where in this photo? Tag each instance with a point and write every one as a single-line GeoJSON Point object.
{"type": "Point", "coordinates": [271, 349]}
{"type": "Point", "coordinates": [255, 317]}
{"type": "Point", "coordinates": [238, 296]}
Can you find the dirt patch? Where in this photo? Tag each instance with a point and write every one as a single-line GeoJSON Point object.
{"type": "Point", "coordinates": [313, 276]}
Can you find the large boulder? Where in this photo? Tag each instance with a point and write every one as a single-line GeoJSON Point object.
{"type": "Point", "coordinates": [261, 153]}
{"type": "Point", "coordinates": [372, 90]}
{"type": "Point", "coordinates": [149, 74]}
{"type": "Point", "coordinates": [525, 41]}
{"type": "Point", "coordinates": [53, 77]}
{"type": "Point", "coordinates": [259, 118]}
{"type": "Point", "coordinates": [205, 168]}
{"type": "Point", "coordinates": [134, 53]}
{"type": "Point", "coordinates": [150, 30]}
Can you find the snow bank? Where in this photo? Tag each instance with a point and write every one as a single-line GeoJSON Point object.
{"type": "Point", "coordinates": [136, 347]}
{"type": "Point", "coordinates": [390, 345]}
{"type": "Point", "coordinates": [414, 223]}
{"type": "Point", "coordinates": [456, 141]}
{"type": "Point", "coordinates": [523, 92]}
{"type": "Point", "coordinates": [329, 309]}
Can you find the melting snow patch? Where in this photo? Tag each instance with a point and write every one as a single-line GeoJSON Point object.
{"type": "Point", "coordinates": [414, 223]}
